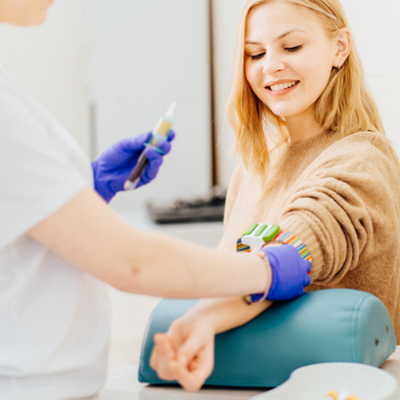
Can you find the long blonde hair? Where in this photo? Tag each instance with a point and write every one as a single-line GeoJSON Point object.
{"type": "Point", "coordinates": [346, 105]}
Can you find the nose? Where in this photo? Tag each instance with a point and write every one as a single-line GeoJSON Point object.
{"type": "Point", "coordinates": [272, 64]}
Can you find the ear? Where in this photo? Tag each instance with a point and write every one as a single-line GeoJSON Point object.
{"type": "Point", "coordinates": [343, 46]}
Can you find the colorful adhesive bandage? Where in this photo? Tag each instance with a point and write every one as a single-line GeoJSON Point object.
{"type": "Point", "coordinates": [258, 234]}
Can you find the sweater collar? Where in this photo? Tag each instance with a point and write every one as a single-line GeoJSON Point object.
{"type": "Point", "coordinates": [311, 143]}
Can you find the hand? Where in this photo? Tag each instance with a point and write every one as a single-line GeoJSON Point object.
{"type": "Point", "coordinates": [185, 353]}
{"type": "Point", "coordinates": [113, 167]}
{"type": "Point", "coordinates": [289, 272]}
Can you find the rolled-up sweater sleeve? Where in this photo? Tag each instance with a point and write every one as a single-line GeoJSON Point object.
{"type": "Point", "coordinates": [345, 209]}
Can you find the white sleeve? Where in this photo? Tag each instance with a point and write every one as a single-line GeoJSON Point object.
{"type": "Point", "coordinates": [36, 176]}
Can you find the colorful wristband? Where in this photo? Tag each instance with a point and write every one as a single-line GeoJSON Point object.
{"type": "Point", "coordinates": [259, 234]}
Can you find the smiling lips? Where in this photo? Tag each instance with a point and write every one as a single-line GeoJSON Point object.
{"type": "Point", "coordinates": [281, 87]}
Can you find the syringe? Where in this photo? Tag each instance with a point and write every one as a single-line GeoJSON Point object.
{"type": "Point", "coordinates": [159, 134]}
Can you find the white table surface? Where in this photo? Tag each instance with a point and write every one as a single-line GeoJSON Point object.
{"type": "Point", "coordinates": [122, 384]}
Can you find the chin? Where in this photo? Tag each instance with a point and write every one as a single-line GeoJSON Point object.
{"type": "Point", "coordinates": [286, 111]}
{"type": "Point", "coordinates": [282, 113]}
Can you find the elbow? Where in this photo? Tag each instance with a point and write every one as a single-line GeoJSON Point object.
{"type": "Point", "coordinates": [136, 274]}
{"type": "Point", "coordinates": [129, 278]}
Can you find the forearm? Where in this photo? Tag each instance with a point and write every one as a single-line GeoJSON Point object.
{"type": "Point", "coordinates": [226, 314]}
{"type": "Point", "coordinates": [96, 240]}
{"type": "Point", "coordinates": [176, 268]}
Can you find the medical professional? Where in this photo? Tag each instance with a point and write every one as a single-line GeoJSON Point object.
{"type": "Point", "coordinates": [59, 243]}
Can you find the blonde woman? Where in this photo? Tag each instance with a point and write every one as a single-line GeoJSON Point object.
{"type": "Point", "coordinates": [314, 160]}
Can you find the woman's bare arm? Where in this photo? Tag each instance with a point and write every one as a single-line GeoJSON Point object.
{"type": "Point", "coordinates": [226, 313]}
{"type": "Point", "coordinates": [87, 233]}
{"type": "Point", "coordinates": [186, 352]}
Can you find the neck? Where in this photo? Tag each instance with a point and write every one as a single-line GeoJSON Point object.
{"type": "Point", "coordinates": [302, 127]}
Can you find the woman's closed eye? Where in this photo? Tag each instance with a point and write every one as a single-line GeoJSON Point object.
{"type": "Point", "coordinates": [289, 49]}
{"type": "Point", "coordinates": [293, 49]}
{"type": "Point", "coordinates": [257, 56]}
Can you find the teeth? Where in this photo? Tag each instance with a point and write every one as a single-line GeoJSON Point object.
{"type": "Point", "coordinates": [282, 86]}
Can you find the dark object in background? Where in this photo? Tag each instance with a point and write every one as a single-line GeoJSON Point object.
{"type": "Point", "coordinates": [210, 208]}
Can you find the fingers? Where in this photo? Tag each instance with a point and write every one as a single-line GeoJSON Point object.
{"type": "Point", "coordinates": [164, 362]}
{"type": "Point", "coordinates": [136, 142]}
{"type": "Point", "coordinates": [199, 369]}
{"type": "Point", "coordinates": [165, 146]}
{"type": "Point", "coordinates": [154, 157]}
{"type": "Point", "coordinates": [187, 358]}
{"type": "Point", "coordinates": [171, 136]}
{"type": "Point", "coordinates": [307, 281]}
{"type": "Point", "coordinates": [161, 350]}
{"type": "Point", "coordinates": [193, 376]}
{"type": "Point", "coordinates": [133, 143]}
{"type": "Point", "coordinates": [190, 381]}
{"type": "Point", "coordinates": [196, 354]}
{"type": "Point", "coordinates": [155, 161]}
{"type": "Point", "coordinates": [162, 358]}
{"type": "Point", "coordinates": [190, 348]}
{"type": "Point", "coordinates": [203, 369]}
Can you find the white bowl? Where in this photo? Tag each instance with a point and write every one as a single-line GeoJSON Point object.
{"type": "Point", "coordinates": [316, 381]}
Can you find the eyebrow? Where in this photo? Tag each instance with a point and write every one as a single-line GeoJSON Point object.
{"type": "Point", "coordinates": [281, 36]}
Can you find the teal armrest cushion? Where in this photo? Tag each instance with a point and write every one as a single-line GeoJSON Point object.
{"type": "Point", "coordinates": [336, 325]}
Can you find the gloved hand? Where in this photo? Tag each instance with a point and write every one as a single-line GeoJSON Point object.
{"type": "Point", "coordinates": [289, 273]}
{"type": "Point", "coordinates": [113, 167]}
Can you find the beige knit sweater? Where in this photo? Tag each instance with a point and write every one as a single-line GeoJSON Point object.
{"type": "Point", "coordinates": [341, 196]}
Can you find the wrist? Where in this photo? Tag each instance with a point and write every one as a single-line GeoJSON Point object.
{"type": "Point", "coordinates": [203, 314]}
{"type": "Point", "coordinates": [218, 315]}
{"type": "Point", "coordinates": [268, 280]}
{"type": "Point", "coordinates": [202, 324]}
{"type": "Point", "coordinates": [265, 271]}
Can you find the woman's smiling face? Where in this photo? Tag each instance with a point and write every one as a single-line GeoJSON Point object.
{"type": "Point", "coordinates": [288, 58]}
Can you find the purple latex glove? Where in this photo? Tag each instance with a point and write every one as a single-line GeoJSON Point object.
{"type": "Point", "coordinates": [289, 273]}
{"type": "Point", "coordinates": [113, 167]}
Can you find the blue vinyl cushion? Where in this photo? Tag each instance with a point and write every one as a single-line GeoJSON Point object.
{"type": "Point", "coordinates": [336, 325]}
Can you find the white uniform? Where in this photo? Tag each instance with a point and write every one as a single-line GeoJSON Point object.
{"type": "Point", "coordinates": [54, 318]}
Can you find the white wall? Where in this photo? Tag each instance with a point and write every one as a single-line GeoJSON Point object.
{"type": "Point", "coordinates": [225, 19]}
{"type": "Point", "coordinates": [133, 58]}
{"type": "Point", "coordinates": [377, 35]}
{"type": "Point", "coordinates": [376, 29]}
{"type": "Point", "coordinates": [143, 56]}
{"type": "Point", "coordinates": [49, 61]}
